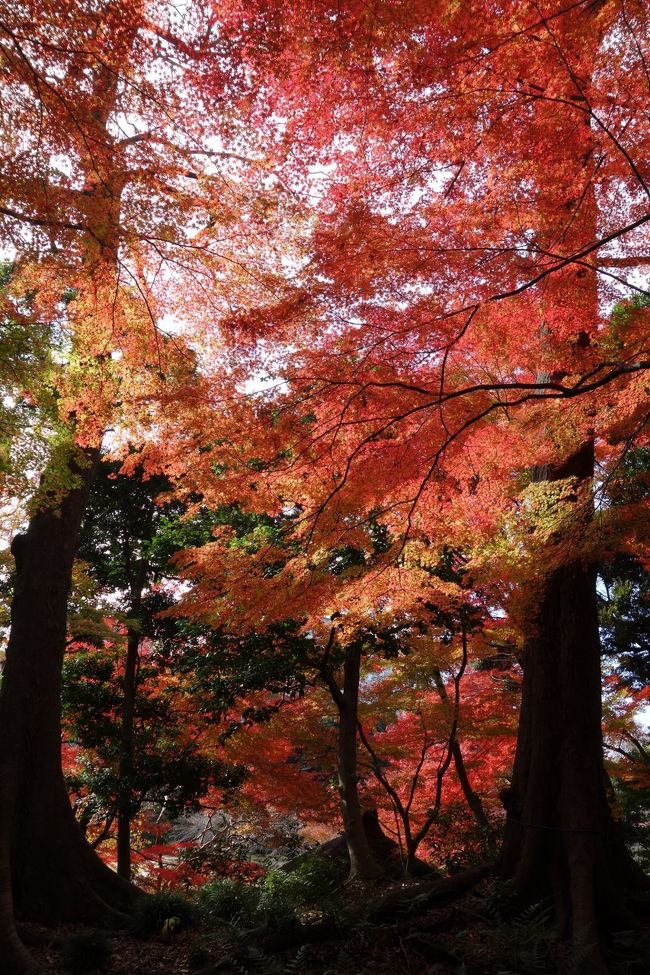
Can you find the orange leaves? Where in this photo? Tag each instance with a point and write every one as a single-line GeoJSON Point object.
{"type": "Point", "coordinates": [385, 227]}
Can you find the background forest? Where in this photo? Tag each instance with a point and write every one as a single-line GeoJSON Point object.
{"type": "Point", "coordinates": [325, 486]}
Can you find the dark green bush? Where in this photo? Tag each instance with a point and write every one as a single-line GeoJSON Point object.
{"type": "Point", "coordinates": [150, 914]}
{"type": "Point", "coordinates": [229, 900]}
{"type": "Point", "coordinates": [283, 896]}
{"type": "Point", "coordinates": [319, 878]}
{"type": "Point", "coordinates": [312, 885]}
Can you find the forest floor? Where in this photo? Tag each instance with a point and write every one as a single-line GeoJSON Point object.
{"type": "Point", "coordinates": [474, 935]}
{"type": "Point", "coordinates": [415, 946]}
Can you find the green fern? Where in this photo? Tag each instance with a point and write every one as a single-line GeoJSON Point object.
{"type": "Point", "coordinates": [297, 965]}
{"type": "Point", "coordinates": [629, 954]}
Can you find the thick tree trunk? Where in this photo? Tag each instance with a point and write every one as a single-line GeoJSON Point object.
{"type": "Point", "coordinates": [560, 841]}
{"type": "Point", "coordinates": [54, 873]}
{"type": "Point", "coordinates": [15, 959]}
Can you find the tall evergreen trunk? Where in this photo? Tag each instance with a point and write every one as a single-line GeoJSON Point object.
{"type": "Point", "coordinates": [560, 840]}
{"type": "Point", "coordinates": [55, 874]}
{"type": "Point", "coordinates": [126, 763]}
{"type": "Point", "coordinates": [48, 872]}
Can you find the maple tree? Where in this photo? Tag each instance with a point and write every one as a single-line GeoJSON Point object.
{"type": "Point", "coordinates": [330, 651]}
{"type": "Point", "coordinates": [436, 750]}
{"type": "Point", "coordinates": [449, 358]}
{"type": "Point", "coordinates": [449, 200]}
{"type": "Point", "coordinates": [388, 638]}
{"type": "Point", "coordinates": [333, 652]}
{"type": "Point", "coordinates": [429, 796]}
{"type": "Point", "coordinates": [401, 768]}
{"type": "Point", "coordinates": [108, 180]}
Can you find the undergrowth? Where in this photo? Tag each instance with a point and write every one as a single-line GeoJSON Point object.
{"type": "Point", "coordinates": [482, 933]}
{"type": "Point", "coordinates": [89, 951]}
{"type": "Point", "coordinates": [161, 914]}
{"type": "Point", "coordinates": [282, 897]}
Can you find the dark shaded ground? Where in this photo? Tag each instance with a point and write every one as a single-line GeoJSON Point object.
{"type": "Point", "coordinates": [478, 934]}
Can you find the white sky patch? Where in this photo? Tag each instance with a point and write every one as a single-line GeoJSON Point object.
{"type": "Point", "coordinates": [172, 325]}
{"type": "Point", "coordinates": [60, 163]}
{"type": "Point", "coordinates": [262, 383]}
{"type": "Point", "coordinates": [319, 175]}
{"type": "Point", "coordinates": [642, 718]}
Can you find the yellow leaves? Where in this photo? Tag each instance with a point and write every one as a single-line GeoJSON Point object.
{"type": "Point", "coordinates": [60, 476]}
{"type": "Point", "coordinates": [553, 508]}
{"type": "Point", "coordinates": [548, 526]}
{"type": "Point", "coordinates": [171, 928]}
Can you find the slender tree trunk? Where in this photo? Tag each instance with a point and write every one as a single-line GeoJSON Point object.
{"type": "Point", "coordinates": [126, 753]}
{"type": "Point", "coordinates": [362, 863]}
{"type": "Point", "coordinates": [434, 813]}
{"type": "Point", "coordinates": [138, 573]}
{"type": "Point", "coordinates": [400, 809]}
{"type": "Point", "coordinates": [472, 798]}
{"type": "Point", "coordinates": [560, 840]}
{"type": "Point", "coordinates": [411, 857]}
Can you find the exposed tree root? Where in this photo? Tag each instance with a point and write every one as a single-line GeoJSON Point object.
{"type": "Point", "coordinates": [295, 935]}
{"type": "Point", "coordinates": [421, 896]}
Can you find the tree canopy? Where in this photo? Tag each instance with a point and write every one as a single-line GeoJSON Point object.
{"type": "Point", "coordinates": [324, 450]}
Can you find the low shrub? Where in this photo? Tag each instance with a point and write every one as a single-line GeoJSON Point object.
{"type": "Point", "coordinates": [161, 914]}
{"type": "Point", "coordinates": [313, 884]}
{"type": "Point", "coordinates": [229, 900]}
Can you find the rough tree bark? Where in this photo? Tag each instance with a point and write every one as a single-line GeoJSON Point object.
{"type": "Point", "coordinates": [55, 873]}
{"type": "Point", "coordinates": [560, 839]}
{"type": "Point", "coordinates": [47, 869]}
